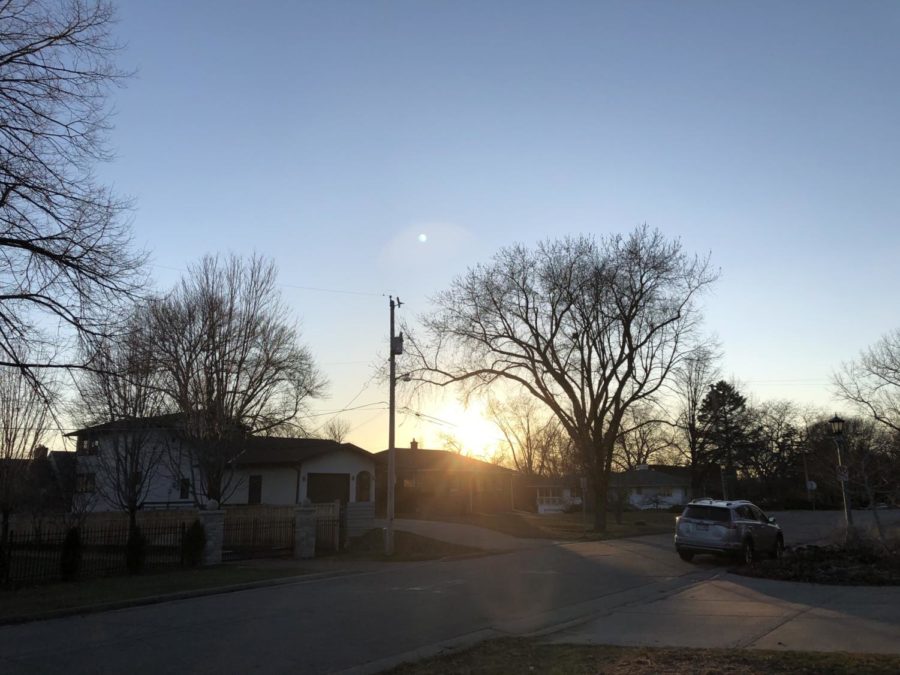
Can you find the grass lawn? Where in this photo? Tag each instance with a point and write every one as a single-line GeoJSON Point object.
{"type": "Point", "coordinates": [59, 596]}
{"type": "Point", "coordinates": [569, 526]}
{"type": "Point", "coordinates": [521, 655]}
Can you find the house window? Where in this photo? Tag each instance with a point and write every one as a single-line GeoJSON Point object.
{"type": "Point", "coordinates": [85, 483]}
{"type": "Point", "coordinates": [184, 488]}
{"type": "Point", "coordinates": [87, 445]}
{"type": "Point", "coordinates": [254, 495]}
{"type": "Point", "coordinates": [664, 492]}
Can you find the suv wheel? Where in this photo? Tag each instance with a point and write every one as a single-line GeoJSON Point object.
{"type": "Point", "coordinates": [778, 551]}
{"type": "Point", "coordinates": [687, 556]}
{"type": "Point", "coordinates": [747, 553]}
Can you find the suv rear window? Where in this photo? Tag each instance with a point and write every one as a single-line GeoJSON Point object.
{"type": "Point", "coordinates": [713, 513]}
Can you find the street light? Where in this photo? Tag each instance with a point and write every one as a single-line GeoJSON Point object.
{"type": "Point", "coordinates": [837, 433]}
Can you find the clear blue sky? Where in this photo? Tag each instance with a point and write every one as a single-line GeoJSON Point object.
{"type": "Point", "coordinates": [329, 135]}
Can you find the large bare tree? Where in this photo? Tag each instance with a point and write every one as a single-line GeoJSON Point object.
{"type": "Point", "coordinates": [587, 326]}
{"type": "Point", "coordinates": [65, 252]}
{"type": "Point", "coordinates": [872, 382]}
{"type": "Point", "coordinates": [123, 392]}
{"type": "Point", "coordinates": [232, 364]}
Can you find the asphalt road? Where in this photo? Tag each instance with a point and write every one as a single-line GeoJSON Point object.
{"type": "Point", "coordinates": [363, 621]}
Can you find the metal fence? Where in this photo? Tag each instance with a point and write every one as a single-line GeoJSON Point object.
{"type": "Point", "coordinates": [247, 537]}
{"type": "Point", "coordinates": [329, 530]}
{"type": "Point", "coordinates": [35, 556]}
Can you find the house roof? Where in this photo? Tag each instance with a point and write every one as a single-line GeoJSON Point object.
{"type": "Point", "coordinates": [276, 450]}
{"type": "Point", "coordinates": [167, 421]}
{"type": "Point", "coordinates": [422, 459]}
{"type": "Point", "coordinates": [647, 478]}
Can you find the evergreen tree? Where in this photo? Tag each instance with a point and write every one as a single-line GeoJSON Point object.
{"type": "Point", "coordinates": [726, 422]}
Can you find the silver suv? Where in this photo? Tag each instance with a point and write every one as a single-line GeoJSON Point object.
{"type": "Point", "coordinates": [734, 527]}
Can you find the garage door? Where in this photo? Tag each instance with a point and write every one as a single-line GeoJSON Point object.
{"type": "Point", "coordinates": [326, 487]}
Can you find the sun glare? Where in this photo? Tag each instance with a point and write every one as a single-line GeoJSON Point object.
{"type": "Point", "coordinates": [478, 436]}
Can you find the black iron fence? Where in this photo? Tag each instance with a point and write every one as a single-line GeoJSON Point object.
{"type": "Point", "coordinates": [331, 527]}
{"type": "Point", "coordinates": [35, 556]}
{"type": "Point", "coordinates": [257, 537]}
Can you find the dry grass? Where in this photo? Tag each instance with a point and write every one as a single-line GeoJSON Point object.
{"type": "Point", "coordinates": [521, 655]}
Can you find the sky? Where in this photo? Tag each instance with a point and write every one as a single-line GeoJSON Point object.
{"type": "Point", "coordinates": [330, 136]}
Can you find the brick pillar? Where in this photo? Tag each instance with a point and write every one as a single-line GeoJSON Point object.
{"type": "Point", "coordinates": [304, 532]}
{"type": "Point", "coordinates": [214, 526]}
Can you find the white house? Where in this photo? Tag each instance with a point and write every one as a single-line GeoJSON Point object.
{"type": "Point", "coordinates": [267, 470]}
{"type": "Point", "coordinates": [647, 488]}
{"type": "Point", "coordinates": [295, 470]}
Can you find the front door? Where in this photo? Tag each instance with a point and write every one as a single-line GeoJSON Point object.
{"type": "Point", "coordinates": [326, 487]}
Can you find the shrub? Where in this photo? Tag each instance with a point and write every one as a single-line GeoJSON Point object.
{"type": "Point", "coordinates": [135, 551]}
{"type": "Point", "coordinates": [193, 543]}
{"type": "Point", "coordinates": [70, 560]}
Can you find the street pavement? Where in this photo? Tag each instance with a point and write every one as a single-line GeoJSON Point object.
{"type": "Point", "coordinates": [629, 591]}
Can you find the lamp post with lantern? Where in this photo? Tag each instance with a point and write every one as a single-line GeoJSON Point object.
{"type": "Point", "coordinates": [837, 433]}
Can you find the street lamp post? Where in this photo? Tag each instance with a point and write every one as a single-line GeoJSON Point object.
{"type": "Point", "coordinates": [837, 433]}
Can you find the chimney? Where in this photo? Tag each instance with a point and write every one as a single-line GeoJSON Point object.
{"type": "Point", "coordinates": [414, 444]}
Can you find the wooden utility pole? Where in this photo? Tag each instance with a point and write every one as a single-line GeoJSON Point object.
{"type": "Point", "coordinates": [396, 349]}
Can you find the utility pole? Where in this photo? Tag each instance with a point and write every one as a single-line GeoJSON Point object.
{"type": "Point", "coordinates": [396, 349]}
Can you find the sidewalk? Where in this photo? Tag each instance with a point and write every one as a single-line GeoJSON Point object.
{"type": "Point", "coordinates": [730, 611]}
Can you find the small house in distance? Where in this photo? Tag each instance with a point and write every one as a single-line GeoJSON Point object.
{"type": "Point", "coordinates": [550, 494]}
{"type": "Point", "coordinates": [440, 482]}
{"type": "Point", "coordinates": [646, 488]}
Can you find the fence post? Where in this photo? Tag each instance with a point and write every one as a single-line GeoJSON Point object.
{"type": "Point", "coordinates": [304, 532]}
{"type": "Point", "coordinates": [214, 526]}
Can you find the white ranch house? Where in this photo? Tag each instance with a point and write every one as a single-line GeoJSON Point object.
{"type": "Point", "coordinates": [267, 470]}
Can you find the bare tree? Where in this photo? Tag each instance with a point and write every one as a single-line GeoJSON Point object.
{"type": "Point", "coordinates": [778, 438]}
{"type": "Point", "coordinates": [589, 327]}
{"type": "Point", "coordinates": [65, 251]}
{"type": "Point", "coordinates": [451, 443]}
{"type": "Point", "coordinates": [336, 429]}
{"type": "Point", "coordinates": [697, 372]}
{"type": "Point", "coordinates": [123, 392]}
{"type": "Point", "coordinates": [872, 383]}
{"type": "Point", "coordinates": [232, 364]}
{"type": "Point", "coordinates": [644, 437]}
{"type": "Point", "coordinates": [25, 421]}
{"type": "Point", "coordinates": [533, 439]}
